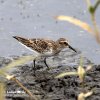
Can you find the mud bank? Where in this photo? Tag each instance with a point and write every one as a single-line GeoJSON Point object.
{"type": "Point", "coordinates": [45, 86]}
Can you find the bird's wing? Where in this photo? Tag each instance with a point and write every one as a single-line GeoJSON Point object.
{"type": "Point", "coordinates": [43, 45]}
{"type": "Point", "coordinates": [39, 45]}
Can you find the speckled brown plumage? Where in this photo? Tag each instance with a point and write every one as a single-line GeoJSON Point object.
{"type": "Point", "coordinates": [39, 45]}
{"type": "Point", "coordinates": [45, 45]}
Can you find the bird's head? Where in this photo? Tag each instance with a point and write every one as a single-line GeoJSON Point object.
{"type": "Point", "coordinates": [63, 43]}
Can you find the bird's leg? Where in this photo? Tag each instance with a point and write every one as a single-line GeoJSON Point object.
{"type": "Point", "coordinates": [34, 65]}
{"type": "Point", "coordinates": [46, 63]}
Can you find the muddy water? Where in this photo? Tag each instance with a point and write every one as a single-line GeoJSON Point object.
{"type": "Point", "coordinates": [35, 18]}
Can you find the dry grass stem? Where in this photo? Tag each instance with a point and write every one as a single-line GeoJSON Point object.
{"type": "Point", "coordinates": [66, 74]}
{"type": "Point", "coordinates": [24, 88]}
{"type": "Point", "coordinates": [2, 91]}
{"type": "Point", "coordinates": [88, 3]}
{"type": "Point", "coordinates": [81, 72]}
{"type": "Point", "coordinates": [83, 96]}
{"type": "Point", "coordinates": [18, 62]}
{"type": "Point", "coordinates": [96, 29]}
{"type": "Point", "coordinates": [77, 22]}
{"type": "Point", "coordinates": [92, 10]}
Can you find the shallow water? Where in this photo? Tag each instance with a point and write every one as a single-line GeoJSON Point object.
{"type": "Point", "coordinates": [35, 18]}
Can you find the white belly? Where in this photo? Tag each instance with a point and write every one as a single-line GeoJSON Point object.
{"type": "Point", "coordinates": [50, 53]}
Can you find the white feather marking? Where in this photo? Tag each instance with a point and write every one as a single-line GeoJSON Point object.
{"type": "Point", "coordinates": [29, 48]}
{"type": "Point", "coordinates": [48, 53]}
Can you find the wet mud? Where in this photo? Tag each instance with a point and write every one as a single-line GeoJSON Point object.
{"type": "Point", "coordinates": [44, 85]}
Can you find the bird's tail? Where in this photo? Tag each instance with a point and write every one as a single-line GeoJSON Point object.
{"type": "Point", "coordinates": [22, 40]}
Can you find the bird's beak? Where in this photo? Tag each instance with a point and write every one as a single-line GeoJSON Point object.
{"type": "Point", "coordinates": [72, 48]}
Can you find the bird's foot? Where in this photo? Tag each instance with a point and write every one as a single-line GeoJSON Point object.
{"type": "Point", "coordinates": [48, 68]}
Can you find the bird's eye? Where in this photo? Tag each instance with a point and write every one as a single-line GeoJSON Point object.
{"type": "Point", "coordinates": [65, 43]}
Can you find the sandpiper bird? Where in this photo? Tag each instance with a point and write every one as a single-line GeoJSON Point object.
{"type": "Point", "coordinates": [44, 47]}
